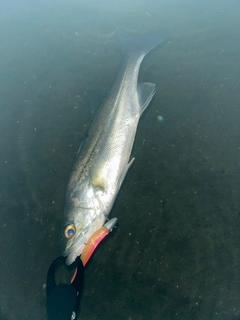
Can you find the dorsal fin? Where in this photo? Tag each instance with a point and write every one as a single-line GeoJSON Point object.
{"type": "Point", "coordinates": [95, 98]}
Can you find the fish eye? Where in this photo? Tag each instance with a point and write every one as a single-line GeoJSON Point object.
{"type": "Point", "coordinates": [69, 231]}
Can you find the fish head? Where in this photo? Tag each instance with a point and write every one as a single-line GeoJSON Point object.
{"type": "Point", "coordinates": [82, 217]}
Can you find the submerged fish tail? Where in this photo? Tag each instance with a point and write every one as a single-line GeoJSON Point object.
{"type": "Point", "coordinates": [132, 43]}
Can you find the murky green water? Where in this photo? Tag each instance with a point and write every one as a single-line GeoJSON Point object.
{"type": "Point", "coordinates": [175, 253]}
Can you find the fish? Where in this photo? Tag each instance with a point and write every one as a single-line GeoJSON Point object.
{"type": "Point", "coordinates": [103, 158]}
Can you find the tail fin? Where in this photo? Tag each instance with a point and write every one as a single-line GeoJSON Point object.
{"type": "Point", "coordinates": [132, 42]}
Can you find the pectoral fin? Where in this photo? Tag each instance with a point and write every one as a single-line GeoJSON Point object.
{"type": "Point", "coordinates": [123, 175]}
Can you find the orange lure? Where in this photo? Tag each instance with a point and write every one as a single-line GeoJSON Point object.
{"type": "Point", "coordinates": [95, 239]}
{"type": "Point", "coordinates": [92, 243]}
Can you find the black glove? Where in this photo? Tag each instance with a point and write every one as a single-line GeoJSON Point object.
{"type": "Point", "coordinates": [63, 300]}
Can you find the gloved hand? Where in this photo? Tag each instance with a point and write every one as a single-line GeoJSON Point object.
{"type": "Point", "coordinates": [63, 299]}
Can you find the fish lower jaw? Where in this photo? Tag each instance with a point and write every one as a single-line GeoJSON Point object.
{"type": "Point", "coordinates": [75, 250]}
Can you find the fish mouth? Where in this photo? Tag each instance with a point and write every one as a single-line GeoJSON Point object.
{"type": "Point", "coordinates": [75, 250]}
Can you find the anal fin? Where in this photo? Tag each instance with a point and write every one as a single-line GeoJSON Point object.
{"type": "Point", "coordinates": [146, 92]}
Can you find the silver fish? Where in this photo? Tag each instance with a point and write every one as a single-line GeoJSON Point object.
{"type": "Point", "coordinates": [103, 159]}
